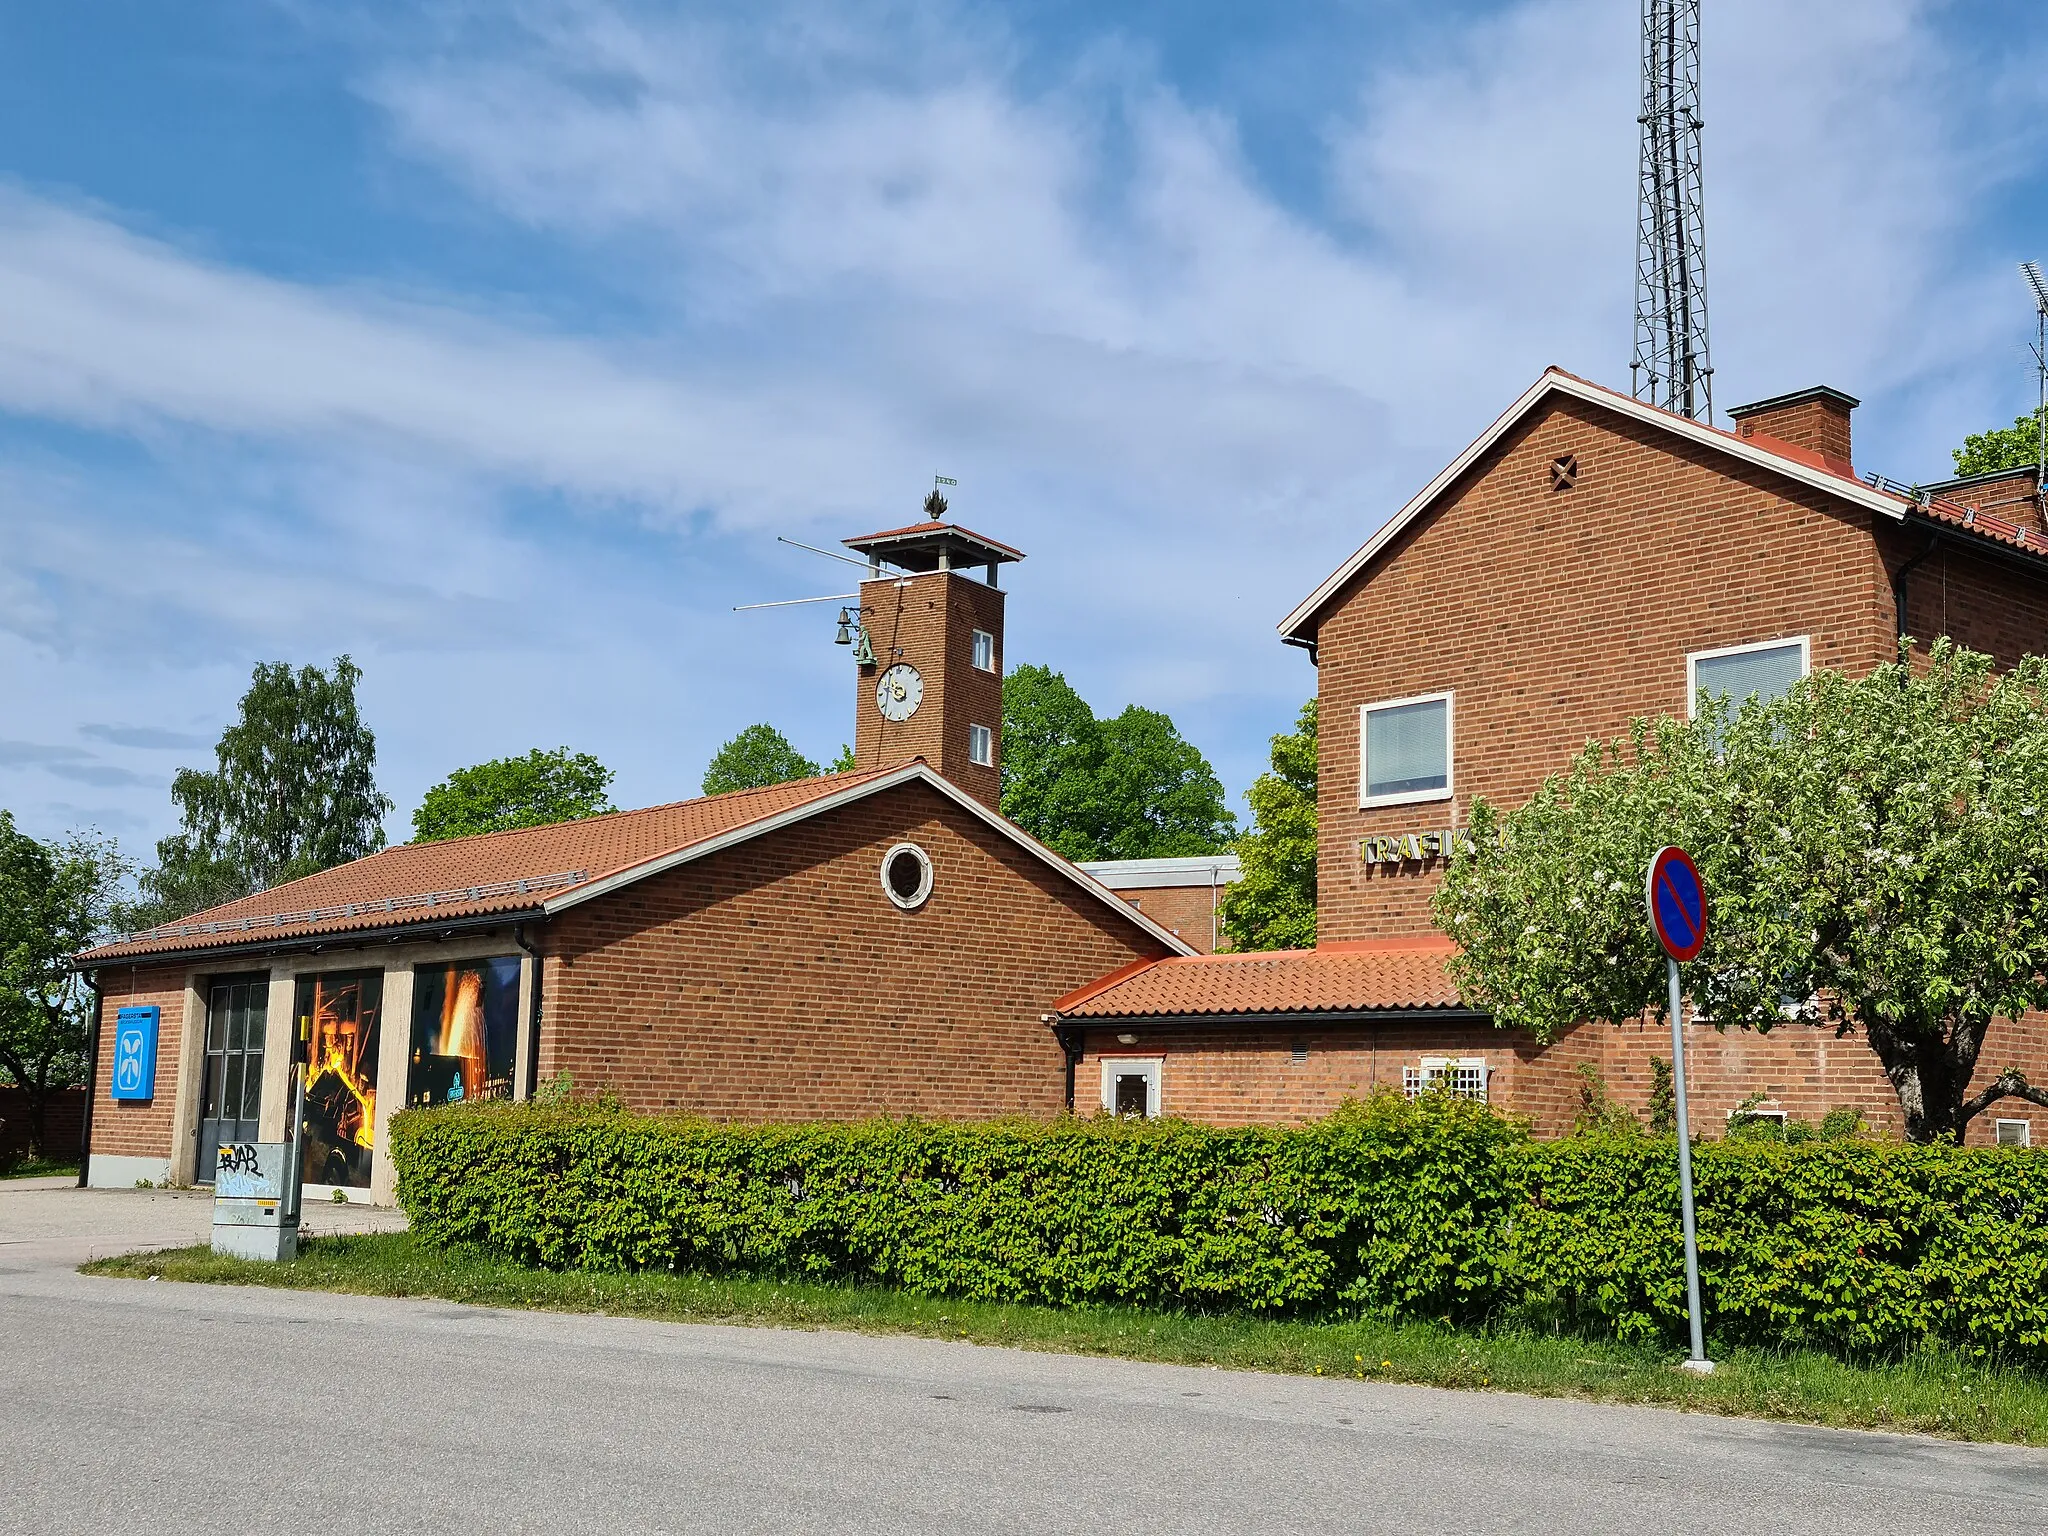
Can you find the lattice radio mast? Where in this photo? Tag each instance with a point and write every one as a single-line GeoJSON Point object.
{"type": "Point", "coordinates": [1672, 367]}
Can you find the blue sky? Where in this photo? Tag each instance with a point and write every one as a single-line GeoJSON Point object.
{"type": "Point", "coordinates": [494, 344]}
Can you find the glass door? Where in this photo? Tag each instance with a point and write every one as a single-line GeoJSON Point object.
{"type": "Point", "coordinates": [231, 1096]}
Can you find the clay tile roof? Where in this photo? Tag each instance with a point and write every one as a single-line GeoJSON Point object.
{"type": "Point", "coordinates": [1999, 530]}
{"type": "Point", "coordinates": [466, 877]}
{"type": "Point", "coordinates": [1402, 974]}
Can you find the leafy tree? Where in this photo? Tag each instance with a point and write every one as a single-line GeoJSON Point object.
{"type": "Point", "coordinates": [2015, 447]}
{"type": "Point", "coordinates": [1163, 799]}
{"type": "Point", "coordinates": [55, 899]}
{"type": "Point", "coordinates": [760, 755]}
{"type": "Point", "coordinates": [1052, 751]}
{"type": "Point", "coordinates": [843, 763]}
{"type": "Point", "coordinates": [294, 792]}
{"type": "Point", "coordinates": [1273, 903]}
{"type": "Point", "coordinates": [1876, 854]}
{"type": "Point", "coordinates": [536, 790]}
{"type": "Point", "coordinates": [1130, 787]}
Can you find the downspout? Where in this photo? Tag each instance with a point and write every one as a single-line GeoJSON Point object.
{"type": "Point", "coordinates": [1069, 1038]}
{"type": "Point", "coordinates": [1215, 916]}
{"type": "Point", "coordinates": [532, 1012]}
{"type": "Point", "coordinates": [92, 1079]}
{"type": "Point", "coordinates": [1899, 582]}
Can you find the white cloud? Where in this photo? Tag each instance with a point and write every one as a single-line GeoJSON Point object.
{"type": "Point", "coordinates": [865, 250]}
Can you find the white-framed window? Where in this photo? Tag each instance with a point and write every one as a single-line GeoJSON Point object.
{"type": "Point", "coordinates": [1465, 1074]}
{"type": "Point", "coordinates": [981, 745]}
{"type": "Point", "coordinates": [1764, 671]}
{"type": "Point", "coordinates": [1776, 1116]}
{"type": "Point", "coordinates": [2015, 1133]}
{"type": "Point", "coordinates": [1404, 750]}
{"type": "Point", "coordinates": [984, 650]}
{"type": "Point", "coordinates": [1130, 1085]}
{"type": "Point", "coordinates": [907, 875]}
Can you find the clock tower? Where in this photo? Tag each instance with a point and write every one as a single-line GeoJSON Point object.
{"type": "Point", "coordinates": [930, 673]}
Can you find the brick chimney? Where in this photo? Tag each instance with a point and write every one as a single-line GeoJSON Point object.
{"type": "Point", "coordinates": [1815, 419]}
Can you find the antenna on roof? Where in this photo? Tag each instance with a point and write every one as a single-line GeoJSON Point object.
{"type": "Point", "coordinates": [1672, 367]}
{"type": "Point", "coordinates": [2031, 271]}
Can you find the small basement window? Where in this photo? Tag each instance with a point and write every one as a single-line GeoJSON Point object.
{"type": "Point", "coordinates": [1130, 1087]}
{"type": "Point", "coordinates": [1405, 750]}
{"type": "Point", "coordinates": [981, 745]}
{"type": "Point", "coordinates": [1465, 1075]}
{"type": "Point", "coordinates": [1739, 673]}
{"type": "Point", "coordinates": [907, 875]}
{"type": "Point", "coordinates": [984, 650]}
{"type": "Point", "coordinates": [2015, 1133]}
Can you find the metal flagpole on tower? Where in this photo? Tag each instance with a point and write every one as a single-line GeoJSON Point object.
{"type": "Point", "coordinates": [1672, 366]}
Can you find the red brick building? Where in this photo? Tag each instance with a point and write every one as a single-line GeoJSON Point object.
{"type": "Point", "coordinates": [1587, 560]}
{"type": "Point", "coordinates": [879, 941]}
{"type": "Point", "coordinates": [882, 941]}
{"type": "Point", "coordinates": [1183, 895]}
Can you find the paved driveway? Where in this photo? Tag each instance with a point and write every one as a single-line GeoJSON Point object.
{"type": "Point", "coordinates": [47, 1223]}
{"type": "Point", "coordinates": [131, 1406]}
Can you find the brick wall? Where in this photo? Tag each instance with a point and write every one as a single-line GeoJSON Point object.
{"type": "Point", "coordinates": [1981, 601]}
{"type": "Point", "coordinates": [126, 1128]}
{"type": "Point", "coordinates": [776, 980]}
{"type": "Point", "coordinates": [1251, 1074]}
{"type": "Point", "coordinates": [1187, 911]}
{"type": "Point", "coordinates": [929, 622]}
{"type": "Point", "coordinates": [1556, 616]}
{"type": "Point", "coordinates": [63, 1117]}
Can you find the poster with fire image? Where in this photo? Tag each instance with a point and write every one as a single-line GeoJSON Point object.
{"type": "Point", "coordinates": [343, 1011]}
{"type": "Point", "coordinates": [465, 1031]}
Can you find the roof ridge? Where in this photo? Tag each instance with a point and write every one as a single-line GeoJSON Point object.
{"type": "Point", "coordinates": [614, 815]}
{"type": "Point", "coordinates": [1821, 477]}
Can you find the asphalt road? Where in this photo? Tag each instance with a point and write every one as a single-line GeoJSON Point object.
{"type": "Point", "coordinates": [131, 1406]}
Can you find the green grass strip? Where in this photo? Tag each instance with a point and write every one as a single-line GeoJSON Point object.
{"type": "Point", "coordinates": [1932, 1391]}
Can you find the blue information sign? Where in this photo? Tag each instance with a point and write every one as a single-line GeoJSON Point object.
{"type": "Point", "coordinates": [135, 1053]}
{"type": "Point", "coordinates": [1678, 903]}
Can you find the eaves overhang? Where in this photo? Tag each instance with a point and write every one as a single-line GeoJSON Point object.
{"type": "Point", "coordinates": [1136, 1022]}
{"type": "Point", "coordinates": [312, 943]}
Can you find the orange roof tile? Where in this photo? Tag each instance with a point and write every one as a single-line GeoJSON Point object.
{"type": "Point", "coordinates": [466, 877]}
{"type": "Point", "coordinates": [1998, 529]}
{"type": "Point", "coordinates": [1365, 976]}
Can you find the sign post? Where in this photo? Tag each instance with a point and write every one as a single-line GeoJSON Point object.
{"type": "Point", "coordinates": [1677, 899]}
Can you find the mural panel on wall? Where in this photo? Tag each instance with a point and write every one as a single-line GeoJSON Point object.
{"type": "Point", "coordinates": [344, 1010]}
{"type": "Point", "coordinates": [465, 1031]}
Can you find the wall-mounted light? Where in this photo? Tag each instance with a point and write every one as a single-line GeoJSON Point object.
{"type": "Point", "coordinates": [1126, 1039]}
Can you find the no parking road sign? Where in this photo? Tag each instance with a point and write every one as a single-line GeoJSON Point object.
{"type": "Point", "coordinates": [1677, 900]}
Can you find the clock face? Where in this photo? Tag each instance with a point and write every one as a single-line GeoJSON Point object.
{"type": "Point", "coordinates": [899, 691]}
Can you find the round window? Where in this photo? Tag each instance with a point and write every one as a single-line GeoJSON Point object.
{"type": "Point", "coordinates": [907, 875]}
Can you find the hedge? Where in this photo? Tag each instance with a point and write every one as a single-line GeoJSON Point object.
{"type": "Point", "coordinates": [1433, 1209]}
